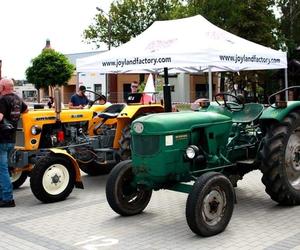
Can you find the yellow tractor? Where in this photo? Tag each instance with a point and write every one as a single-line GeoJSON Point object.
{"type": "Point", "coordinates": [58, 147]}
{"type": "Point", "coordinates": [41, 129]}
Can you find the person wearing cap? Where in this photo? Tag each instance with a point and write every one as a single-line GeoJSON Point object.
{"type": "Point", "coordinates": [79, 99]}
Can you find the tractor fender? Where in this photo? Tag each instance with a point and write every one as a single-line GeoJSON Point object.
{"type": "Point", "coordinates": [279, 114]}
{"type": "Point", "coordinates": [130, 111]}
{"type": "Point", "coordinates": [78, 181]}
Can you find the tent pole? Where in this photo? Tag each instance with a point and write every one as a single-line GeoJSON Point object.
{"type": "Point", "coordinates": [209, 84]}
{"type": "Point", "coordinates": [167, 92]}
{"type": "Point", "coordinates": [286, 83]}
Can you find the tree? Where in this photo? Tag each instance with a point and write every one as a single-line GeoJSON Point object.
{"type": "Point", "coordinates": [50, 68]}
{"type": "Point", "coordinates": [290, 24]}
{"type": "Point", "coordinates": [129, 18]}
{"type": "Point", "coordinates": [253, 20]}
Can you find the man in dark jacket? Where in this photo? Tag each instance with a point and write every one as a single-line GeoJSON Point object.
{"type": "Point", "coordinates": [11, 107]}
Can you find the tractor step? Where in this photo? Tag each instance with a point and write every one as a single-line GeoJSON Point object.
{"type": "Point", "coordinates": [246, 162]}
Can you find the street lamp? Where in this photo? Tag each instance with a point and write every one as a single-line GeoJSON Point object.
{"type": "Point", "coordinates": [108, 26]}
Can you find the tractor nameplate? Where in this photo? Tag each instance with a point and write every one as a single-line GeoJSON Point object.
{"type": "Point", "coordinates": [181, 137]}
{"type": "Point", "coordinates": [77, 116]}
{"type": "Point", "coordinates": [45, 118]}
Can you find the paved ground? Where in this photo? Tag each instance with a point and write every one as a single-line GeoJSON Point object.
{"type": "Point", "coordinates": [85, 221]}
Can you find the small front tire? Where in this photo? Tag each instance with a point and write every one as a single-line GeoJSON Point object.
{"type": "Point", "coordinates": [122, 197]}
{"type": "Point", "coordinates": [18, 178]}
{"type": "Point", "coordinates": [210, 204]}
{"type": "Point", "coordinates": [52, 179]}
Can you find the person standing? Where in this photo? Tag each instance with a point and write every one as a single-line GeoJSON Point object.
{"type": "Point", "coordinates": [11, 107]}
{"type": "Point", "coordinates": [50, 102]}
{"type": "Point", "coordinates": [79, 100]}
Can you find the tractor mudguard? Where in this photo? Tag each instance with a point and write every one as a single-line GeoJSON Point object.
{"type": "Point", "coordinates": [131, 110]}
{"type": "Point", "coordinates": [78, 182]}
{"type": "Point", "coordinates": [279, 113]}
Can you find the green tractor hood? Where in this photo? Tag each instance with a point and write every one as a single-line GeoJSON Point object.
{"type": "Point", "coordinates": [177, 122]}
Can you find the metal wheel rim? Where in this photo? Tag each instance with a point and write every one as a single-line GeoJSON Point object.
{"type": "Point", "coordinates": [128, 195]}
{"type": "Point", "coordinates": [292, 159]}
{"type": "Point", "coordinates": [213, 207]}
{"type": "Point", "coordinates": [15, 176]}
{"type": "Point", "coordinates": [56, 179]}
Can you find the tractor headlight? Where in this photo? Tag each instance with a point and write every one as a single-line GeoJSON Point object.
{"type": "Point", "coordinates": [35, 130]}
{"type": "Point", "coordinates": [138, 127]}
{"type": "Point", "coordinates": [192, 151]}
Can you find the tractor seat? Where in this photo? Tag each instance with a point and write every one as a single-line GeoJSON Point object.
{"type": "Point", "coordinates": [249, 113]}
{"type": "Point", "coordinates": [112, 111]}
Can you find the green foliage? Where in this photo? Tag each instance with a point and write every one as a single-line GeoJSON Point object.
{"type": "Point", "coordinates": [253, 20]}
{"type": "Point", "coordinates": [50, 68]}
{"type": "Point", "coordinates": [290, 24]}
{"type": "Point", "coordinates": [129, 18]}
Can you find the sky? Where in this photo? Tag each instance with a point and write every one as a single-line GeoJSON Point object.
{"type": "Point", "coordinates": [25, 25]}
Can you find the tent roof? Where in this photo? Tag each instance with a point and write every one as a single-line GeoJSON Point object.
{"type": "Point", "coordinates": [185, 45]}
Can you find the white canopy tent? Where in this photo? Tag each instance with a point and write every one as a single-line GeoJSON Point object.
{"type": "Point", "coordinates": [185, 45]}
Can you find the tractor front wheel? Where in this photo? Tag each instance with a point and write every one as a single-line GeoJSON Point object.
{"type": "Point", "coordinates": [18, 178]}
{"type": "Point", "coordinates": [210, 204]}
{"type": "Point", "coordinates": [124, 198]}
{"type": "Point", "coordinates": [52, 179]}
{"type": "Point", "coordinates": [281, 160]}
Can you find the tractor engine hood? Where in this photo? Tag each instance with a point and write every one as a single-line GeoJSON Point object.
{"type": "Point", "coordinates": [177, 122]}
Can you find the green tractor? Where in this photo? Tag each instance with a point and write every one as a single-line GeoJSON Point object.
{"type": "Point", "coordinates": [204, 153]}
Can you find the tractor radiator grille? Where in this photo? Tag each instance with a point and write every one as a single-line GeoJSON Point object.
{"type": "Point", "coordinates": [145, 145]}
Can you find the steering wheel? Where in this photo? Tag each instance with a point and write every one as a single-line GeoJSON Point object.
{"type": "Point", "coordinates": [235, 105]}
{"type": "Point", "coordinates": [99, 96]}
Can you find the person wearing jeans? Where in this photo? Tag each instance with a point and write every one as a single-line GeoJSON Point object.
{"type": "Point", "coordinates": [6, 186]}
{"type": "Point", "coordinates": [11, 107]}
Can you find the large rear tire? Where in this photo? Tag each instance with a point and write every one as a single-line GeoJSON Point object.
{"type": "Point", "coordinates": [125, 144]}
{"type": "Point", "coordinates": [122, 197]}
{"type": "Point", "coordinates": [281, 160]}
{"type": "Point", "coordinates": [210, 204]}
{"type": "Point", "coordinates": [52, 179]}
{"type": "Point", "coordinates": [94, 169]}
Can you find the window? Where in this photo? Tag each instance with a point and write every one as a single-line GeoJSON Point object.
{"type": "Point", "coordinates": [98, 88]}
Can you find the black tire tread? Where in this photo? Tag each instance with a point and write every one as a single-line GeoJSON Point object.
{"type": "Point", "coordinates": [125, 143]}
{"type": "Point", "coordinates": [272, 155]}
{"type": "Point", "coordinates": [119, 169]}
{"type": "Point", "coordinates": [191, 204]}
{"type": "Point", "coordinates": [36, 179]}
{"type": "Point", "coordinates": [18, 183]}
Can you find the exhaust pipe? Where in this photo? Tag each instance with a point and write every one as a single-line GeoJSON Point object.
{"type": "Point", "coordinates": [57, 102]}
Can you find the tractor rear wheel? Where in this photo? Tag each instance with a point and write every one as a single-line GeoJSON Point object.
{"type": "Point", "coordinates": [210, 204]}
{"type": "Point", "coordinates": [122, 197]}
{"type": "Point", "coordinates": [18, 178]}
{"type": "Point", "coordinates": [52, 179]}
{"type": "Point", "coordinates": [94, 169]}
{"type": "Point", "coordinates": [125, 144]}
{"type": "Point", "coordinates": [281, 160]}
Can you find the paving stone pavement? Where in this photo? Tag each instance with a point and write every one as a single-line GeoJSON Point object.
{"type": "Point", "coordinates": [85, 221]}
